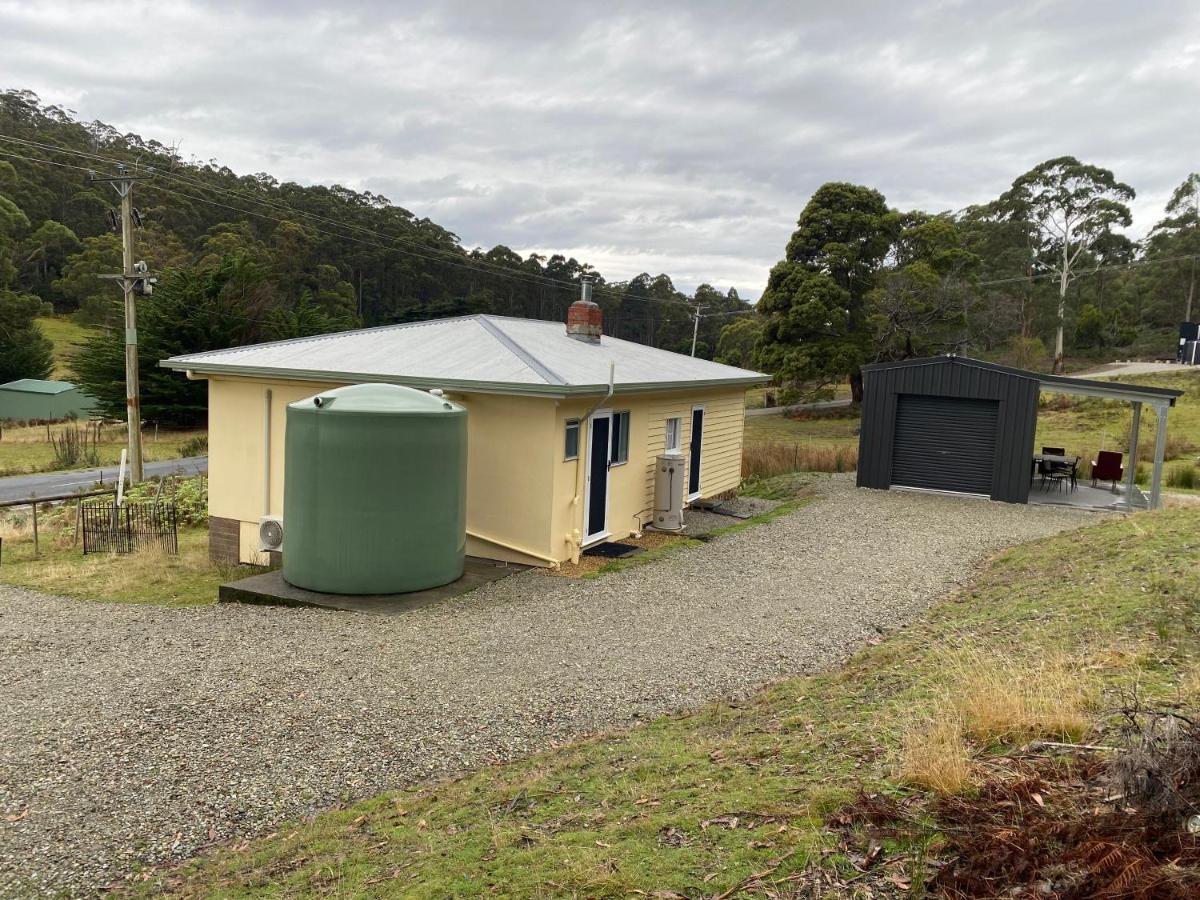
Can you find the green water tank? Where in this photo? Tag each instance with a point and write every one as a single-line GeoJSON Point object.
{"type": "Point", "coordinates": [374, 491]}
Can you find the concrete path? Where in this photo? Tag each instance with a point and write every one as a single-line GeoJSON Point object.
{"type": "Point", "coordinates": [48, 484]}
{"type": "Point", "coordinates": [140, 734]}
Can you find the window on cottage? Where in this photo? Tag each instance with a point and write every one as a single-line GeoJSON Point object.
{"type": "Point", "coordinates": [620, 438]}
{"type": "Point", "coordinates": [571, 444]}
{"type": "Point", "coordinates": [673, 432]}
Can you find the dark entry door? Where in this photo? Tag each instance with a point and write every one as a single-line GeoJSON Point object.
{"type": "Point", "coordinates": [694, 452]}
{"type": "Point", "coordinates": [945, 443]}
{"type": "Point", "coordinates": [597, 510]}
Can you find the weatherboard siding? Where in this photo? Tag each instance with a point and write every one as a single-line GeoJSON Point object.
{"type": "Point", "coordinates": [520, 490]}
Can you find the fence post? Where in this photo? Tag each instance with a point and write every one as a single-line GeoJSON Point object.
{"type": "Point", "coordinates": [78, 514]}
{"type": "Point", "coordinates": [35, 533]}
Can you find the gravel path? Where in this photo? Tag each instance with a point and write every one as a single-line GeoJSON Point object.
{"type": "Point", "coordinates": [132, 734]}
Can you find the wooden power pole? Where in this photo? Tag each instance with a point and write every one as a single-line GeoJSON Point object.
{"type": "Point", "coordinates": [134, 280]}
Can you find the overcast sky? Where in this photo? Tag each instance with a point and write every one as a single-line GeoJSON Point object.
{"type": "Point", "coordinates": [651, 136]}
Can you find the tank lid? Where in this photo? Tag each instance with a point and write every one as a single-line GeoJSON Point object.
{"type": "Point", "coordinates": [378, 399]}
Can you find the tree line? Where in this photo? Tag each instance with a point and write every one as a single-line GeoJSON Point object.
{"type": "Point", "coordinates": [1043, 269]}
{"type": "Point", "coordinates": [249, 258]}
{"type": "Point", "coordinates": [1040, 270]}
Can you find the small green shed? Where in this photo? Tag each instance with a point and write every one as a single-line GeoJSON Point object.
{"type": "Point", "coordinates": [32, 398]}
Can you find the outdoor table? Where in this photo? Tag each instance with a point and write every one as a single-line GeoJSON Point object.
{"type": "Point", "coordinates": [1072, 461]}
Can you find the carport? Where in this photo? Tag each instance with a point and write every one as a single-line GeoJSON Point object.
{"type": "Point", "coordinates": [961, 425]}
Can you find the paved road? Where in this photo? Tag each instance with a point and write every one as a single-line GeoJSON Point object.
{"type": "Point", "coordinates": [780, 410]}
{"type": "Point", "coordinates": [18, 487]}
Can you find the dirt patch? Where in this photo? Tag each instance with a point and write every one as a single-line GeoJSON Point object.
{"type": "Point", "coordinates": [1046, 827]}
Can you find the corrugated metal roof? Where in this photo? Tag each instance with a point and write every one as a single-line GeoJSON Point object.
{"type": "Point", "coordinates": [37, 386]}
{"type": "Point", "coordinates": [1114, 390]}
{"type": "Point", "coordinates": [480, 352]}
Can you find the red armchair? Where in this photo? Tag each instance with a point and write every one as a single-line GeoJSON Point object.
{"type": "Point", "coordinates": [1107, 467]}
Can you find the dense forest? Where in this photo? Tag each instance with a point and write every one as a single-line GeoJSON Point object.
{"type": "Point", "coordinates": [1037, 273]}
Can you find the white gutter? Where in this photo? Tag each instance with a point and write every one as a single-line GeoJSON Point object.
{"type": "Point", "coordinates": [575, 536]}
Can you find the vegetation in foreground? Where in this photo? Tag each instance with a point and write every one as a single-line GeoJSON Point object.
{"type": "Point", "coordinates": [736, 799]}
{"type": "Point", "coordinates": [59, 565]}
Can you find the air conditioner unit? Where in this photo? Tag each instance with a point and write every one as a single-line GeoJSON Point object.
{"type": "Point", "coordinates": [669, 472]}
{"type": "Point", "coordinates": [270, 534]}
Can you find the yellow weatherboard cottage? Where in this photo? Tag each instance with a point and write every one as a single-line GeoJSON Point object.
{"type": "Point", "coordinates": [563, 425]}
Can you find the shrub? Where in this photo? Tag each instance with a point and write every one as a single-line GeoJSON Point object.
{"type": "Point", "coordinates": [190, 496]}
{"type": "Point", "coordinates": [195, 446]}
{"type": "Point", "coordinates": [75, 446]}
{"type": "Point", "coordinates": [1183, 477]}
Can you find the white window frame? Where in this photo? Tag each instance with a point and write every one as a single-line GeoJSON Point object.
{"type": "Point", "coordinates": [612, 452]}
{"type": "Point", "coordinates": [678, 435]}
{"type": "Point", "coordinates": [699, 474]}
{"type": "Point", "coordinates": [572, 423]}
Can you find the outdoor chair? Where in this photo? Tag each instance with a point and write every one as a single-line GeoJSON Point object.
{"type": "Point", "coordinates": [1107, 467]}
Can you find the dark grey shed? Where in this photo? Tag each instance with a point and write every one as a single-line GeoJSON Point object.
{"type": "Point", "coordinates": [951, 423]}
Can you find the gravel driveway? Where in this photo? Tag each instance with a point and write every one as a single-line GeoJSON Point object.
{"type": "Point", "coordinates": [138, 734]}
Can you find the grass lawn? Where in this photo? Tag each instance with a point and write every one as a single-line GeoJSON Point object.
{"type": "Point", "coordinates": [27, 449]}
{"type": "Point", "coordinates": [67, 335]}
{"type": "Point", "coordinates": [188, 579]}
{"type": "Point", "coordinates": [733, 798]}
{"type": "Point", "coordinates": [151, 576]}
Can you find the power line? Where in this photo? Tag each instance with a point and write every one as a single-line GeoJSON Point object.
{"type": "Point", "coordinates": [449, 257]}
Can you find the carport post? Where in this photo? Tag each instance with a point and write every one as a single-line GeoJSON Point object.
{"type": "Point", "coordinates": [1131, 467]}
{"type": "Point", "coordinates": [1160, 450]}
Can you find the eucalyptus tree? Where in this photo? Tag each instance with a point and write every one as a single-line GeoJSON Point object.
{"type": "Point", "coordinates": [1071, 205]}
{"type": "Point", "coordinates": [1178, 235]}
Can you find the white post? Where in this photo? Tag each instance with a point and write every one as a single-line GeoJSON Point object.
{"type": "Point", "coordinates": [121, 477]}
{"type": "Point", "coordinates": [1160, 450]}
{"type": "Point", "coordinates": [1131, 465]}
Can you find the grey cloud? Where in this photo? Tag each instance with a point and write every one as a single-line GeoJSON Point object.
{"type": "Point", "coordinates": [678, 137]}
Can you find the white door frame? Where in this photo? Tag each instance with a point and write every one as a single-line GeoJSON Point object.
{"type": "Point", "coordinates": [587, 481]}
{"type": "Point", "coordinates": [699, 468]}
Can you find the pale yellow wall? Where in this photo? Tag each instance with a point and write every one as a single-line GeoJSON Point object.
{"type": "Point", "coordinates": [510, 469]}
{"type": "Point", "coordinates": [519, 488]}
{"type": "Point", "coordinates": [631, 485]}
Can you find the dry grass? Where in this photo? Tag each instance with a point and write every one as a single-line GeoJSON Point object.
{"type": "Point", "coordinates": [993, 700]}
{"type": "Point", "coordinates": [935, 757]}
{"type": "Point", "coordinates": [768, 459]}
{"type": "Point", "coordinates": [1005, 700]}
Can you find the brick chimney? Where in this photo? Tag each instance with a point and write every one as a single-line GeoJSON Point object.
{"type": "Point", "coordinates": [585, 321]}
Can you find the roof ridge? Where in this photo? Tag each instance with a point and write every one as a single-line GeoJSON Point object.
{"type": "Point", "coordinates": [506, 340]}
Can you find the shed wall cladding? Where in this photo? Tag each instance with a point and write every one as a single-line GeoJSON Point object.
{"type": "Point", "coordinates": [1016, 419]}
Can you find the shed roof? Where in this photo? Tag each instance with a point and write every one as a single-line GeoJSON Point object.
{"type": "Point", "coordinates": [37, 386]}
{"type": "Point", "coordinates": [494, 354]}
{"type": "Point", "coordinates": [1111, 390]}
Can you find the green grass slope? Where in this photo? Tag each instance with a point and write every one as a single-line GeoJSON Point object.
{"type": "Point", "coordinates": [734, 796]}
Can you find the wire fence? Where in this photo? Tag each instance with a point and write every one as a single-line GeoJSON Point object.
{"type": "Point", "coordinates": [132, 526]}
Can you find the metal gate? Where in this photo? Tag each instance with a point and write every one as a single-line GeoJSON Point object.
{"type": "Point", "coordinates": [945, 443]}
{"type": "Point", "coordinates": [108, 528]}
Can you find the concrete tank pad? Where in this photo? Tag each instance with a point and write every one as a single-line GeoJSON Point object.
{"type": "Point", "coordinates": [270, 589]}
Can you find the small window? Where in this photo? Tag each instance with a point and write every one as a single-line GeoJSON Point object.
{"type": "Point", "coordinates": [673, 431]}
{"type": "Point", "coordinates": [571, 445]}
{"type": "Point", "coordinates": [620, 438]}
